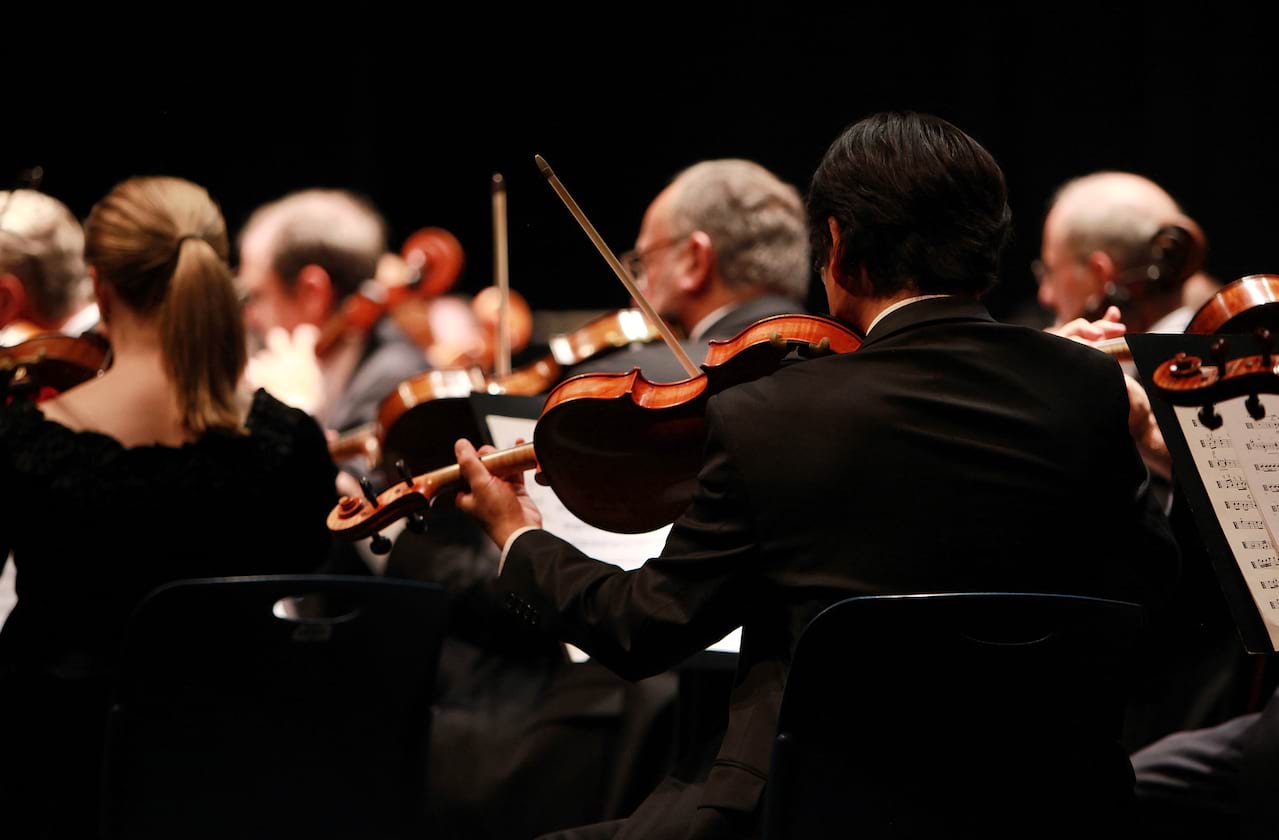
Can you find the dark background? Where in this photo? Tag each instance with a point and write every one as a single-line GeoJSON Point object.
{"type": "Point", "coordinates": [416, 109]}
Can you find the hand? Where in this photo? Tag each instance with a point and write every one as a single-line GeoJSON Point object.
{"type": "Point", "coordinates": [502, 505]}
{"type": "Point", "coordinates": [1145, 431]}
{"type": "Point", "coordinates": [288, 369]}
{"type": "Point", "coordinates": [1107, 326]}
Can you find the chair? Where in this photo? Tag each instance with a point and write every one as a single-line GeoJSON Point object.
{"type": "Point", "coordinates": [282, 706]}
{"type": "Point", "coordinates": [954, 715]}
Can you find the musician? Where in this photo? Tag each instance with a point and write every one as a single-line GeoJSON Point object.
{"type": "Point", "coordinates": [301, 257]}
{"type": "Point", "coordinates": [722, 246]}
{"type": "Point", "coordinates": [152, 472]}
{"type": "Point", "coordinates": [1097, 249]}
{"type": "Point", "coordinates": [938, 457]}
{"type": "Point", "coordinates": [42, 278]}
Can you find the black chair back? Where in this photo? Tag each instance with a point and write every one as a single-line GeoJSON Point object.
{"type": "Point", "coordinates": [954, 715]}
{"type": "Point", "coordinates": [282, 706]}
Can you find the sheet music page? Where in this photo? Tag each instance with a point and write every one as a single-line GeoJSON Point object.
{"type": "Point", "coordinates": [629, 551]}
{"type": "Point", "coordinates": [1239, 465]}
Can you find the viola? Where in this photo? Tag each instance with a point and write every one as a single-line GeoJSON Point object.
{"type": "Point", "coordinates": [622, 453]}
{"type": "Point", "coordinates": [49, 363]}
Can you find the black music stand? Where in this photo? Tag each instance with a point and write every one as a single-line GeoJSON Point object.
{"type": "Point", "coordinates": [1149, 351]}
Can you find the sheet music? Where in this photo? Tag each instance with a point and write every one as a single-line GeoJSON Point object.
{"type": "Point", "coordinates": [1239, 465]}
{"type": "Point", "coordinates": [629, 551]}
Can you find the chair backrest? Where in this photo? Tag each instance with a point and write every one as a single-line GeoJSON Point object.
{"type": "Point", "coordinates": [281, 706]}
{"type": "Point", "coordinates": [953, 715]}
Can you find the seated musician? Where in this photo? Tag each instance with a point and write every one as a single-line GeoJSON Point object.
{"type": "Point", "coordinates": [938, 457]}
{"type": "Point", "coordinates": [152, 472]}
{"type": "Point", "coordinates": [1097, 247]}
{"type": "Point", "coordinates": [300, 258]}
{"type": "Point", "coordinates": [722, 246]}
{"type": "Point", "coordinates": [43, 285]}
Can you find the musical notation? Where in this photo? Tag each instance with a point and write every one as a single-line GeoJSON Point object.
{"type": "Point", "coordinates": [1239, 477]}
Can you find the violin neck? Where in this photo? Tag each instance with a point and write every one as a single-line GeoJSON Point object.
{"type": "Point", "coordinates": [360, 441]}
{"type": "Point", "coordinates": [1116, 348]}
{"type": "Point", "coordinates": [506, 462]}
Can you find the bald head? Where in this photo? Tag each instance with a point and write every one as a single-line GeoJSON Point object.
{"type": "Point", "coordinates": [1100, 227]}
{"type": "Point", "coordinates": [1115, 212]}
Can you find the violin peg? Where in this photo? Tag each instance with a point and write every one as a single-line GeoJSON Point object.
{"type": "Point", "coordinates": [367, 487]}
{"type": "Point", "coordinates": [416, 523]}
{"type": "Point", "coordinates": [1218, 353]}
{"type": "Point", "coordinates": [403, 469]}
{"type": "Point", "coordinates": [380, 545]}
{"type": "Point", "coordinates": [1256, 410]}
{"type": "Point", "coordinates": [1209, 417]}
{"type": "Point", "coordinates": [1266, 342]}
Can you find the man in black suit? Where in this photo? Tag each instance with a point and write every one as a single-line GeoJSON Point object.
{"type": "Point", "coordinates": [941, 456]}
{"type": "Point", "coordinates": [722, 246]}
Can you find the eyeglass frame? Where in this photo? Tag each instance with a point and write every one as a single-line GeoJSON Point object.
{"type": "Point", "coordinates": [633, 259]}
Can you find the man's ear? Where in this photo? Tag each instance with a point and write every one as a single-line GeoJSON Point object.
{"type": "Point", "coordinates": [701, 264]}
{"type": "Point", "coordinates": [13, 299]}
{"type": "Point", "coordinates": [834, 259]}
{"type": "Point", "coordinates": [315, 294]}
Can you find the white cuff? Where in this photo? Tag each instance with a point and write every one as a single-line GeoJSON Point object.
{"type": "Point", "coordinates": [515, 535]}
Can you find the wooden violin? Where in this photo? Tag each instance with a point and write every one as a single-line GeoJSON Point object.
{"type": "Point", "coordinates": [1249, 303]}
{"type": "Point", "coordinates": [49, 363]}
{"type": "Point", "coordinates": [1186, 380]}
{"type": "Point", "coordinates": [620, 452]}
{"type": "Point", "coordinates": [427, 266]}
{"type": "Point", "coordinates": [410, 421]}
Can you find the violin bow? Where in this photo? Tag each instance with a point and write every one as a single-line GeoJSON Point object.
{"type": "Point", "coordinates": [618, 269]}
{"type": "Point", "coordinates": [501, 271]}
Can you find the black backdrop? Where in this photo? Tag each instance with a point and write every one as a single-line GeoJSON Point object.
{"type": "Point", "coordinates": [417, 108]}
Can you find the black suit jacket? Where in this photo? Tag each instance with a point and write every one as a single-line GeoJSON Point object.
{"type": "Point", "coordinates": [949, 453]}
{"type": "Point", "coordinates": [658, 364]}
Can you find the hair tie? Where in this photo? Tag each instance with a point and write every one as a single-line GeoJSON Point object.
{"type": "Point", "coordinates": [177, 248]}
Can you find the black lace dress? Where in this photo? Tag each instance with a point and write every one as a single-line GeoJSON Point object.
{"type": "Point", "coordinates": [94, 526]}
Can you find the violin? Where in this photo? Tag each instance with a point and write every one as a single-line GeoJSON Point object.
{"type": "Point", "coordinates": [1249, 303]}
{"type": "Point", "coordinates": [50, 363]}
{"type": "Point", "coordinates": [409, 423]}
{"type": "Point", "coordinates": [1186, 380]}
{"type": "Point", "coordinates": [622, 453]}
{"type": "Point", "coordinates": [427, 266]}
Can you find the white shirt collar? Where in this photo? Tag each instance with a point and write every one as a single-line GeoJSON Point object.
{"type": "Point", "coordinates": [699, 329]}
{"type": "Point", "coordinates": [900, 305]}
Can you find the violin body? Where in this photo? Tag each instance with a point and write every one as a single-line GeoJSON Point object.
{"type": "Point", "coordinates": [417, 422]}
{"type": "Point", "coordinates": [49, 363]}
{"type": "Point", "coordinates": [1249, 303]}
{"type": "Point", "coordinates": [620, 452]}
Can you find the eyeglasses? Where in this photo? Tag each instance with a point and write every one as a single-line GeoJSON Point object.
{"type": "Point", "coordinates": [634, 260]}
